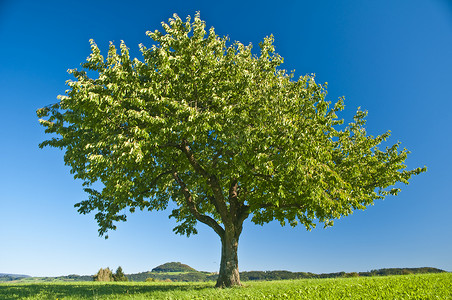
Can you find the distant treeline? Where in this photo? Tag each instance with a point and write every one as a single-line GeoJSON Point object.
{"type": "Point", "coordinates": [197, 276]}
{"type": "Point", "coordinates": [11, 277]}
{"type": "Point", "coordinates": [184, 277]}
{"type": "Point", "coordinates": [74, 277]}
{"type": "Point", "coordinates": [275, 275]}
{"type": "Point", "coordinates": [281, 275]}
{"type": "Point", "coordinates": [59, 278]}
{"type": "Point", "coordinates": [401, 271]}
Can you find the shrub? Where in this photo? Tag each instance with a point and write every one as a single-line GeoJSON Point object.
{"type": "Point", "coordinates": [104, 275]}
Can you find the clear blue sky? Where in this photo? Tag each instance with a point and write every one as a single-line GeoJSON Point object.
{"type": "Point", "coordinates": [393, 58]}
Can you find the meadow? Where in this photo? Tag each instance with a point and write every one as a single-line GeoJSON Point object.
{"type": "Point", "coordinates": [425, 286]}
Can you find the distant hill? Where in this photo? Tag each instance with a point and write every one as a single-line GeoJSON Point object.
{"type": "Point", "coordinates": [173, 267]}
{"type": "Point", "coordinates": [11, 277]}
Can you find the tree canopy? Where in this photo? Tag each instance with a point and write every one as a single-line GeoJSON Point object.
{"type": "Point", "coordinates": [103, 275]}
{"type": "Point", "coordinates": [119, 275]}
{"type": "Point", "coordinates": [220, 131]}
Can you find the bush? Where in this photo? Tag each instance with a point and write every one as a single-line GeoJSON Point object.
{"type": "Point", "coordinates": [103, 275]}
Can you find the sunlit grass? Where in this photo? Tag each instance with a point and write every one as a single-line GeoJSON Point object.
{"type": "Point", "coordinates": [426, 286]}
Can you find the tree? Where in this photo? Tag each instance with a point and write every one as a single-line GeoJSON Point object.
{"type": "Point", "coordinates": [119, 275]}
{"type": "Point", "coordinates": [104, 275]}
{"type": "Point", "coordinates": [221, 132]}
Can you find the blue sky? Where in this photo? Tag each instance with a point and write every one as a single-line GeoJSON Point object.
{"type": "Point", "coordinates": [392, 58]}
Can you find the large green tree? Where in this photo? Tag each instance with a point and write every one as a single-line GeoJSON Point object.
{"type": "Point", "coordinates": [221, 132]}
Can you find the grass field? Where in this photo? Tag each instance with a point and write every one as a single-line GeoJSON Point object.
{"type": "Point", "coordinates": [426, 286]}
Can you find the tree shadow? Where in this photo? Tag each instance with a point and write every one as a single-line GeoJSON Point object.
{"type": "Point", "coordinates": [90, 291]}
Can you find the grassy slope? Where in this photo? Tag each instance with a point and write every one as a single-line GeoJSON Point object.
{"type": "Point", "coordinates": [426, 286]}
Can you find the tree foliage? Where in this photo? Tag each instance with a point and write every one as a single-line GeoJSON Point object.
{"type": "Point", "coordinates": [119, 275]}
{"type": "Point", "coordinates": [220, 131]}
{"type": "Point", "coordinates": [103, 275]}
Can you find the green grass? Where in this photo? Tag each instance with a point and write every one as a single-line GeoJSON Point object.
{"type": "Point", "coordinates": [426, 286]}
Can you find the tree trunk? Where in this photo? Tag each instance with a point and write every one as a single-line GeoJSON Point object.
{"type": "Point", "coordinates": [229, 267]}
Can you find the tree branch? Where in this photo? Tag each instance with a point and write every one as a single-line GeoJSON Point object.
{"type": "Point", "coordinates": [191, 205]}
{"type": "Point", "coordinates": [244, 212]}
{"type": "Point", "coordinates": [215, 159]}
{"type": "Point", "coordinates": [264, 176]}
{"type": "Point", "coordinates": [191, 158]}
{"type": "Point", "coordinates": [169, 145]}
{"type": "Point", "coordinates": [233, 194]}
{"type": "Point", "coordinates": [212, 181]}
{"type": "Point", "coordinates": [154, 181]}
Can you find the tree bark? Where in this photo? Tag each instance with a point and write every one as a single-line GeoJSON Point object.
{"type": "Point", "coordinates": [231, 217]}
{"type": "Point", "coordinates": [229, 267]}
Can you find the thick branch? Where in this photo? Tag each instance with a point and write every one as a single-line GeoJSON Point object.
{"type": "Point", "coordinates": [169, 145]}
{"type": "Point", "coordinates": [191, 158]}
{"type": "Point", "coordinates": [244, 212]}
{"type": "Point", "coordinates": [238, 210]}
{"type": "Point", "coordinates": [215, 159]}
{"type": "Point", "coordinates": [154, 181]}
{"type": "Point", "coordinates": [233, 194]}
{"type": "Point", "coordinates": [191, 205]}
{"type": "Point", "coordinates": [212, 181]}
{"type": "Point", "coordinates": [151, 184]}
{"type": "Point", "coordinates": [264, 176]}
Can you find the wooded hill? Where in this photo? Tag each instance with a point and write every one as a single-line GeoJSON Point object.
{"type": "Point", "coordinates": [10, 277]}
{"type": "Point", "coordinates": [178, 272]}
{"type": "Point", "coordinates": [173, 267]}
